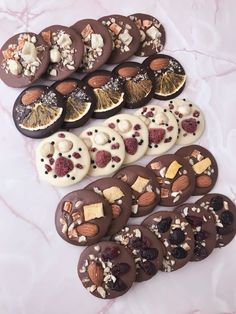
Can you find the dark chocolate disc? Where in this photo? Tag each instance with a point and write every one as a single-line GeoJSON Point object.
{"type": "Point", "coordinates": [79, 99]}
{"type": "Point", "coordinates": [39, 111]}
{"type": "Point", "coordinates": [146, 249]}
{"type": "Point", "coordinates": [153, 36]}
{"type": "Point", "coordinates": [66, 51]}
{"type": "Point", "coordinates": [138, 83]}
{"type": "Point", "coordinates": [204, 166]}
{"type": "Point", "coordinates": [83, 217]}
{"type": "Point", "coordinates": [97, 43]}
{"type": "Point", "coordinates": [23, 59]}
{"type": "Point", "coordinates": [175, 177]}
{"type": "Point", "coordinates": [109, 91]}
{"type": "Point", "coordinates": [170, 77]}
{"type": "Point", "coordinates": [125, 36]}
{"type": "Point", "coordinates": [106, 269]}
{"type": "Point", "coordinates": [145, 188]}
{"type": "Point", "coordinates": [118, 194]}
{"type": "Point", "coordinates": [176, 235]}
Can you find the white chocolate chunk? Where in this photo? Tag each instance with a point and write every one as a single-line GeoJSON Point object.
{"type": "Point", "coordinates": [202, 165]}
{"type": "Point", "coordinates": [153, 32]}
{"type": "Point", "coordinates": [172, 170]}
{"type": "Point", "coordinates": [93, 211]}
{"type": "Point", "coordinates": [140, 184]}
{"type": "Point", "coordinates": [55, 55]}
{"type": "Point", "coordinates": [64, 41]}
{"type": "Point", "coordinates": [29, 52]}
{"type": "Point", "coordinates": [112, 194]}
{"type": "Point", "coordinates": [125, 38]}
{"type": "Point", "coordinates": [14, 67]}
{"type": "Point", "coordinates": [96, 41]}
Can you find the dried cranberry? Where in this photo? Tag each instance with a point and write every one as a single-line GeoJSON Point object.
{"type": "Point", "coordinates": [115, 146]}
{"type": "Point", "coordinates": [79, 166]}
{"type": "Point", "coordinates": [102, 158]}
{"type": "Point", "coordinates": [179, 252]}
{"type": "Point", "coordinates": [227, 218]}
{"type": "Point", "coordinates": [137, 134]}
{"type": "Point", "coordinates": [111, 125]}
{"type": "Point", "coordinates": [110, 253]}
{"type": "Point", "coordinates": [131, 145]}
{"type": "Point", "coordinates": [170, 128]}
{"type": "Point", "coordinates": [217, 203]}
{"type": "Point", "coordinates": [177, 236]}
{"type": "Point", "coordinates": [149, 253]}
{"type": "Point", "coordinates": [51, 161]}
{"type": "Point", "coordinates": [76, 155]}
{"type": "Point", "coordinates": [48, 168]}
{"type": "Point", "coordinates": [63, 166]}
{"type": "Point", "coordinates": [120, 269]}
{"type": "Point", "coordinates": [194, 220]}
{"type": "Point", "coordinates": [156, 135]}
{"type": "Point", "coordinates": [148, 267]}
{"type": "Point", "coordinates": [118, 285]}
{"type": "Point", "coordinates": [201, 235]}
{"type": "Point", "coordinates": [200, 251]}
{"type": "Point", "coordinates": [164, 225]}
{"type": "Point", "coordinates": [136, 243]}
{"type": "Point", "coordinates": [137, 127]}
{"type": "Point", "coordinates": [189, 125]}
{"type": "Point", "coordinates": [116, 158]}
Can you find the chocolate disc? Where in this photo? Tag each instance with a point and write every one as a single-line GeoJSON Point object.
{"type": "Point", "coordinates": [224, 212]}
{"type": "Point", "coordinates": [109, 91]}
{"type": "Point", "coordinates": [23, 59]}
{"type": "Point", "coordinates": [66, 51]}
{"type": "Point", "coordinates": [175, 177]}
{"type": "Point", "coordinates": [106, 270]}
{"type": "Point", "coordinates": [97, 43]}
{"type": "Point", "coordinates": [125, 36]}
{"type": "Point", "coordinates": [138, 83]}
{"type": "Point", "coordinates": [204, 230]}
{"type": "Point", "coordinates": [152, 32]}
{"type": "Point", "coordinates": [39, 111]}
{"type": "Point", "coordinates": [146, 249]}
{"type": "Point", "coordinates": [176, 235]}
{"type": "Point", "coordinates": [170, 77]}
{"type": "Point", "coordinates": [145, 188]}
{"type": "Point", "coordinates": [83, 217]}
{"type": "Point", "coordinates": [79, 99]}
{"type": "Point", "coordinates": [204, 166]}
{"type": "Point", "coordinates": [118, 194]}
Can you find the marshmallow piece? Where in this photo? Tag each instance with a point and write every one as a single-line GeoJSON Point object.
{"type": "Point", "coordinates": [64, 146]}
{"type": "Point", "coordinates": [96, 41]}
{"type": "Point", "coordinates": [101, 138]}
{"type": "Point", "coordinates": [124, 126]}
{"type": "Point", "coordinates": [153, 33]}
{"type": "Point", "coordinates": [14, 67]}
{"type": "Point", "coordinates": [64, 41]}
{"type": "Point", "coordinates": [161, 118]}
{"type": "Point", "coordinates": [55, 55]}
{"type": "Point", "coordinates": [29, 52]}
{"type": "Point", "coordinates": [184, 110]}
{"type": "Point", "coordinates": [125, 38]}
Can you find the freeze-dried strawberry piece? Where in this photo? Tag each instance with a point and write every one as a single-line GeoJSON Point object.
{"type": "Point", "coordinates": [115, 146]}
{"type": "Point", "coordinates": [112, 125]}
{"type": "Point", "coordinates": [156, 135]}
{"type": "Point", "coordinates": [48, 168]}
{"type": "Point", "coordinates": [102, 158]}
{"type": "Point", "coordinates": [131, 145]}
{"type": "Point", "coordinates": [189, 125]}
{"type": "Point", "coordinates": [63, 166]}
{"type": "Point", "coordinates": [76, 155]}
{"type": "Point", "coordinates": [116, 158]}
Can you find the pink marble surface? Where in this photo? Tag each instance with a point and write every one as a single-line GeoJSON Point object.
{"type": "Point", "coordinates": [38, 269]}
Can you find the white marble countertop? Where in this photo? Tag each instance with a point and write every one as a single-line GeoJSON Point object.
{"type": "Point", "coordinates": [38, 269]}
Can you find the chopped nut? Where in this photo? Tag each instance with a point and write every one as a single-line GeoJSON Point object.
{"type": "Point", "coordinates": [67, 207]}
{"type": "Point", "coordinates": [164, 193]}
{"type": "Point", "coordinates": [156, 165]}
{"type": "Point", "coordinates": [97, 41]}
{"type": "Point", "coordinates": [87, 31]}
{"type": "Point", "coordinates": [115, 28]}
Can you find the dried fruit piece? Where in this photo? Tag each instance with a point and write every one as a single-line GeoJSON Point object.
{"type": "Point", "coordinates": [148, 267]}
{"type": "Point", "coordinates": [31, 95]}
{"type": "Point", "coordinates": [110, 253]}
{"type": "Point", "coordinates": [146, 199]}
{"type": "Point", "coordinates": [93, 211]}
{"type": "Point", "coordinates": [149, 253]}
{"type": "Point", "coordinates": [156, 135]}
{"type": "Point", "coordinates": [102, 158]}
{"type": "Point", "coordinates": [180, 184]}
{"type": "Point", "coordinates": [137, 90]}
{"type": "Point", "coordinates": [179, 253]}
{"type": "Point", "coordinates": [177, 236]}
{"type": "Point", "coordinates": [112, 194]}
{"type": "Point", "coordinates": [217, 203]}
{"type": "Point", "coordinates": [140, 184]}
{"type": "Point", "coordinates": [159, 63]}
{"type": "Point", "coordinates": [116, 211]}
{"type": "Point", "coordinates": [202, 165]}
{"type": "Point", "coordinates": [106, 98]}
{"type": "Point", "coordinates": [131, 145]}
{"type": "Point", "coordinates": [189, 125]}
{"type": "Point", "coordinates": [87, 229]}
{"type": "Point", "coordinates": [120, 269]}
{"type": "Point", "coordinates": [63, 166]}
{"type": "Point", "coordinates": [118, 285]}
{"type": "Point", "coordinates": [168, 83]}
{"type": "Point", "coordinates": [164, 225]}
{"type": "Point", "coordinates": [200, 251]}
{"type": "Point", "coordinates": [172, 169]}
{"type": "Point", "coordinates": [95, 273]}
{"type": "Point", "coordinates": [227, 218]}
{"type": "Point", "coordinates": [201, 235]}
{"type": "Point", "coordinates": [194, 221]}
{"type": "Point", "coordinates": [66, 87]}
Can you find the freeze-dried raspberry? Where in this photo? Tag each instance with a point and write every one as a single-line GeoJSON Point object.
{"type": "Point", "coordinates": [170, 128]}
{"type": "Point", "coordinates": [111, 125]}
{"type": "Point", "coordinates": [62, 135]}
{"type": "Point", "coordinates": [51, 161]}
{"type": "Point", "coordinates": [189, 125]}
{"type": "Point", "coordinates": [115, 146]}
{"type": "Point", "coordinates": [102, 158]}
{"type": "Point", "coordinates": [79, 166]}
{"type": "Point", "coordinates": [76, 155]}
{"type": "Point", "coordinates": [156, 135]}
{"type": "Point", "coordinates": [149, 114]}
{"type": "Point", "coordinates": [116, 158]}
{"type": "Point", "coordinates": [89, 133]}
{"type": "Point", "coordinates": [63, 166]}
{"type": "Point", "coordinates": [137, 127]}
{"type": "Point", "coordinates": [131, 145]}
{"type": "Point", "coordinates": [48, 168]}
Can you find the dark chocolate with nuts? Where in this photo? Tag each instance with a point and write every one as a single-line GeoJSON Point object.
{"type": "Point", "coordinates": [83, 217]}
{"type": "Point", "coordinates": [118, 194]}
{"type": "Point", "coordinates": [176, 178]}
{"type": "Point", "coordinates": [147, 250]}
{"type": "Point", "coordinates": [106, 269]}
{"type": "Point", "coordinates": [145, 188]}
{"type": "Point", "coordinates": [176, 235]}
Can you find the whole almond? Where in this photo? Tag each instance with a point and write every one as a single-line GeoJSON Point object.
{"type": "Point", "coordinates": [87, 229]}
{"type": "Point", "coordinates": [66, 87]}
{"type": "Point", "coordinates": [98, 81]}
{"type": "Point", "coordinates": [95, 273]}
{"type": "Point", "coordinates": [180, 184]}
{"type": "Point", "coordinates": [128, 71]}
{"type": "Point", "coordinates": [203, 181]}
{"type": "Point", "coordinates": [146, 199]}
{"type": "Point", "coordinates": [116, 210]}
{"type": "Point", "coordinates": [159, 63]}
{"type": "Point", "coordinates": [31, 95]}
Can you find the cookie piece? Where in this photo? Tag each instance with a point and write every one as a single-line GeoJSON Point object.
{"type": "Point", "coordinates": [204, 166]}
{"type": "Point", "coordinates": [176, 178]}
{"type": "Point", "coordinates": [176, 235]}
{"type": "Point", "coordinates": [106, 270]}
{"type": "Point", "coordinates": [23, 59]}
{"type": "Point", "coordinates": [125, 36]}
{"type": "Point", "coordinates": [38, 111]}
{"type": "Point", "coordinates": [170, 77]}
{"type": "Point", "coordinates": [66, 51]}
{"type": "Point", "coordinates": [79, 99]}
{"type": "Point", "coordinates": [224, 212]}
{"type": "Point", "coordinates": [134, 133]}
{"type": "Point", "coordinates": [138, 83]}
{"type": "Point", "coordinates": [109, 92]}
{"type": "Point", "coordinates": [153, 36]}
{"type": "Point", "coordinates": [62, 159]}
{"type": "Point", "coordinates": [145, 188]}
{"type": "Point", "coordinates": [190, 120]}
{"type": "Point", "coordinates": [97, 43]}
{"type": "Point", "coordinates": [162, 128]}
{"type": "Point", "coordinates": [118, 194]}
{"type": "Point", "coordinates": [83, 217]}
{"type": "Point", "coordinates": [146, 249]}
{"type": "Point", "coordinates": [106, 149]}
{"type": "Point", "coordinates": [204, 230]}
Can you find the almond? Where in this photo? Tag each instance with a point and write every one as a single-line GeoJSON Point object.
{"type": "Point", "coordinates": [95, 273]}
{"type": "Point", "coordinates": [98, 81]}
{"type": "Point", "coordinates": [159, 63]}
{"type": "Point", "coordinates": [66, 87]}
{"type": "Point", "coordinates": [116, 210]}
{"type": "Point", "coordinates": [180, 184]}
{"type": "Point", "coordinates": [46, 37]}
{"type": "Point", "coordinates": [31, 95]}
{"type": "Point", "coordinates": [128, 71]}
{"type": "Point", "coordinates": [203, 181]}
{"type": "Point", "coordinates": [146, 199]}
{"type": "Point", "coordinates": [87, 229]}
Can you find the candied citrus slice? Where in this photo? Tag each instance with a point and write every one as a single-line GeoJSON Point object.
{"type": "Point", "coordinates": [76, 109]}
{"type": "Point", "coordinates": [107, 99]}
{"type": "Point", "coordinates": [169, 83]}
{"type": "Point", "coordinates": [136, 91]}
